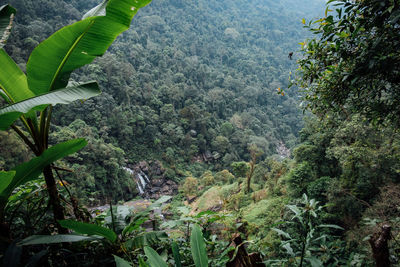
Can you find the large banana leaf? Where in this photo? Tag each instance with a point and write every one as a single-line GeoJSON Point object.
{"type": "Point", "coordinates": [155, 260]}
{"type": "Point", "coordinates": [89, 229]}
{"type": "Point", "coordinates": [12, 80]}
{"type": "Point", "coordinates": [142, 263]}
{"type": "Point", "coordinates": [7, 14]}
{"type": "Point", "coordinates": [177, 256]}
{"type": "Point", "coordinates": [5, 179]}
{"type": "Point", "coordinates": [51, 239]}
{"type": "Point", "coordinates": [120, 262]}
{"type": "Point", "coordinates": [198, 247]}
{"type": "Point", "coordinates": [31, 170]}
{"type": "Point", "coordinates": [62, 96]}
{"type": "Point", "coordinates": [52, 61]}
{"type": "Point", "coordinates": [10, 74]}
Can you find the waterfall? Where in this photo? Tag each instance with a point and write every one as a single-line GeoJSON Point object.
{"type": "Point", "coordinates": [131, 172]}
{"type": "Point", "coordinates": [140, 181]}
{"type": "Point", "coordinates": [141, 191]}
{"type": "Point", "coordinates": [145, 176]}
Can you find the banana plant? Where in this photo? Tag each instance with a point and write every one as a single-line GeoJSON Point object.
{"type": "Point", "coordinates": [29, 171]}
{"type": "Point", "coordinates": [197, 247]}
{"type": "Point", "coordinates": [128, 239]}
{"type": "Point", "coordinates": [87, 231]}
{"type": "Point", "coordinates": [30, 96]}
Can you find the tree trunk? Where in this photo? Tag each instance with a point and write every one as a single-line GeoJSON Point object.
{"type": "Point", "coordinates": [242, 258]}
{"type": "Point", "coordinates": [379, 245]}
{"type": "Point", "coordinates": [250, 174]}
{"type": "Point", "coordinates": [58, 210]}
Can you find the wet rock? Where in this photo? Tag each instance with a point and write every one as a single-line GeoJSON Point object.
{"type": "Point", "coordinates": [156, 168]}
{"type": "Point", "coordinates": [157, 182]}
{"type": "Point", "coordinates": [154, 190]}
{"type": "Point", "coordinates": [193, 133]}
{"type": "Point", "coordinates": [144, 166]}
{"type": "Point", "coordinates": [151, 180]}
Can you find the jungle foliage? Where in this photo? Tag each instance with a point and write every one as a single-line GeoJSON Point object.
{"type": "Point", "coordinates": [203, 87]}
{"type": "Point", "coordinates": [174, 94]}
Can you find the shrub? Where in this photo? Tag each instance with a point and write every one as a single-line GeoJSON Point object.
{"type": "Point", "coordinates": [318, 188]}
{"type": "Point", "coordinates": [207, 178]}
{"type": "Point", "coordinates": [190, 186]}
{"type": "Point", "coordinates": [240, 168]}
{"type": "Point", "coordinates": [299, 178]}
{"type": "Point", "coordinates": [224, 177]}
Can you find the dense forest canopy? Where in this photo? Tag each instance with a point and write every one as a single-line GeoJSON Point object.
{"type": "Point", "coordinates": [227, 133]}
{"type": "Point", "coordinates": [189, 79]}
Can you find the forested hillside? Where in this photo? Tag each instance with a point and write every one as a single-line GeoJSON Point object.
{"type": "Point", "coordinates": [190, 81]}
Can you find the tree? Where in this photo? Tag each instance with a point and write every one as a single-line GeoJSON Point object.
{"type": "Point", "coordinates": [226, 129]}
{"type": "Point", "coordinates": [299, 178]}
{"type": "Point", "coordinates": [12, 151]}
{"type": "Point", "coordinates": [224, 177]}
{"type": "Point", "coordinates": [207, 178]}
{"type": "Point", "coordinates": [240, 169]}
{"type": "Point", "coordinates": [221, 144]}
{"type": "Point", "coordinates": [190, 186]}
{"type": "Point", "coordinates": [47, 83]}
{"type": "Point", "coordinates": [255, 152]}
{"type": "Point", "coordinates": [354, 65]}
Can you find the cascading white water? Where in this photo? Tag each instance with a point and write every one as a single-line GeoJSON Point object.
{"type": "Point", "coordinates": [146, 177]}
{"type": "Point", "coordinates": [141, 182]}
{"type": "Point", "coordinates": [128, 170]}
{"type": "Point", "coordinates": [141, 191]}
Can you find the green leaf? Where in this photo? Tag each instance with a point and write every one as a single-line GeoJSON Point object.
{"type": "Point", "coordinates": [315, 262]}
{"type": "Point", "coordinates": [51, 239]}
{"type": "Point", "coordinates": [207, 212]}
{"type": "Point", "coordinates": [89, 229]}
{"type": "Point", "coordinates": [289, 249]}
{"type": "Point", "coordinates": [280, 232]}
{"type": "Point", "coordinates": [62, 96]}
{"type": "Point", "coordinates": [177, 256]}
{"type": "Point", "coordinates": [198, 247]}
{"type": "Point", "coordinates": [142, 263]}
{"type": "Point", "coordinates": [331, 226]}
{"type": "Point", "coordinates": [12, 80]}
{"type": "Point", "coordinates": [5, 179]}
{"type": "Point", "coordinates": [30, 170]}
{"type": "Point", "coordinates": [184, 210]}
{"type": "Point", "coordinates": [120, 262]}
{"type": "Point", "coordinates": [51, 62]}
{"type": "Point", "coordinates": [159, 202]}
{"type": "Point", "coordinates": [145, 239]}
{"type": "Point", "coordinates": [294, 209]}
{"type": "Point", "coordinates": [155, 260]}
{"type": "Point", "coordinates": [7, 14]}
{"type": "Point", "coordinates": [134, 225]}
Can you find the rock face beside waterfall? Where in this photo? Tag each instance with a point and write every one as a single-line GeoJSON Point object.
{"type": "Point", "coordinates": [151, 180]}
